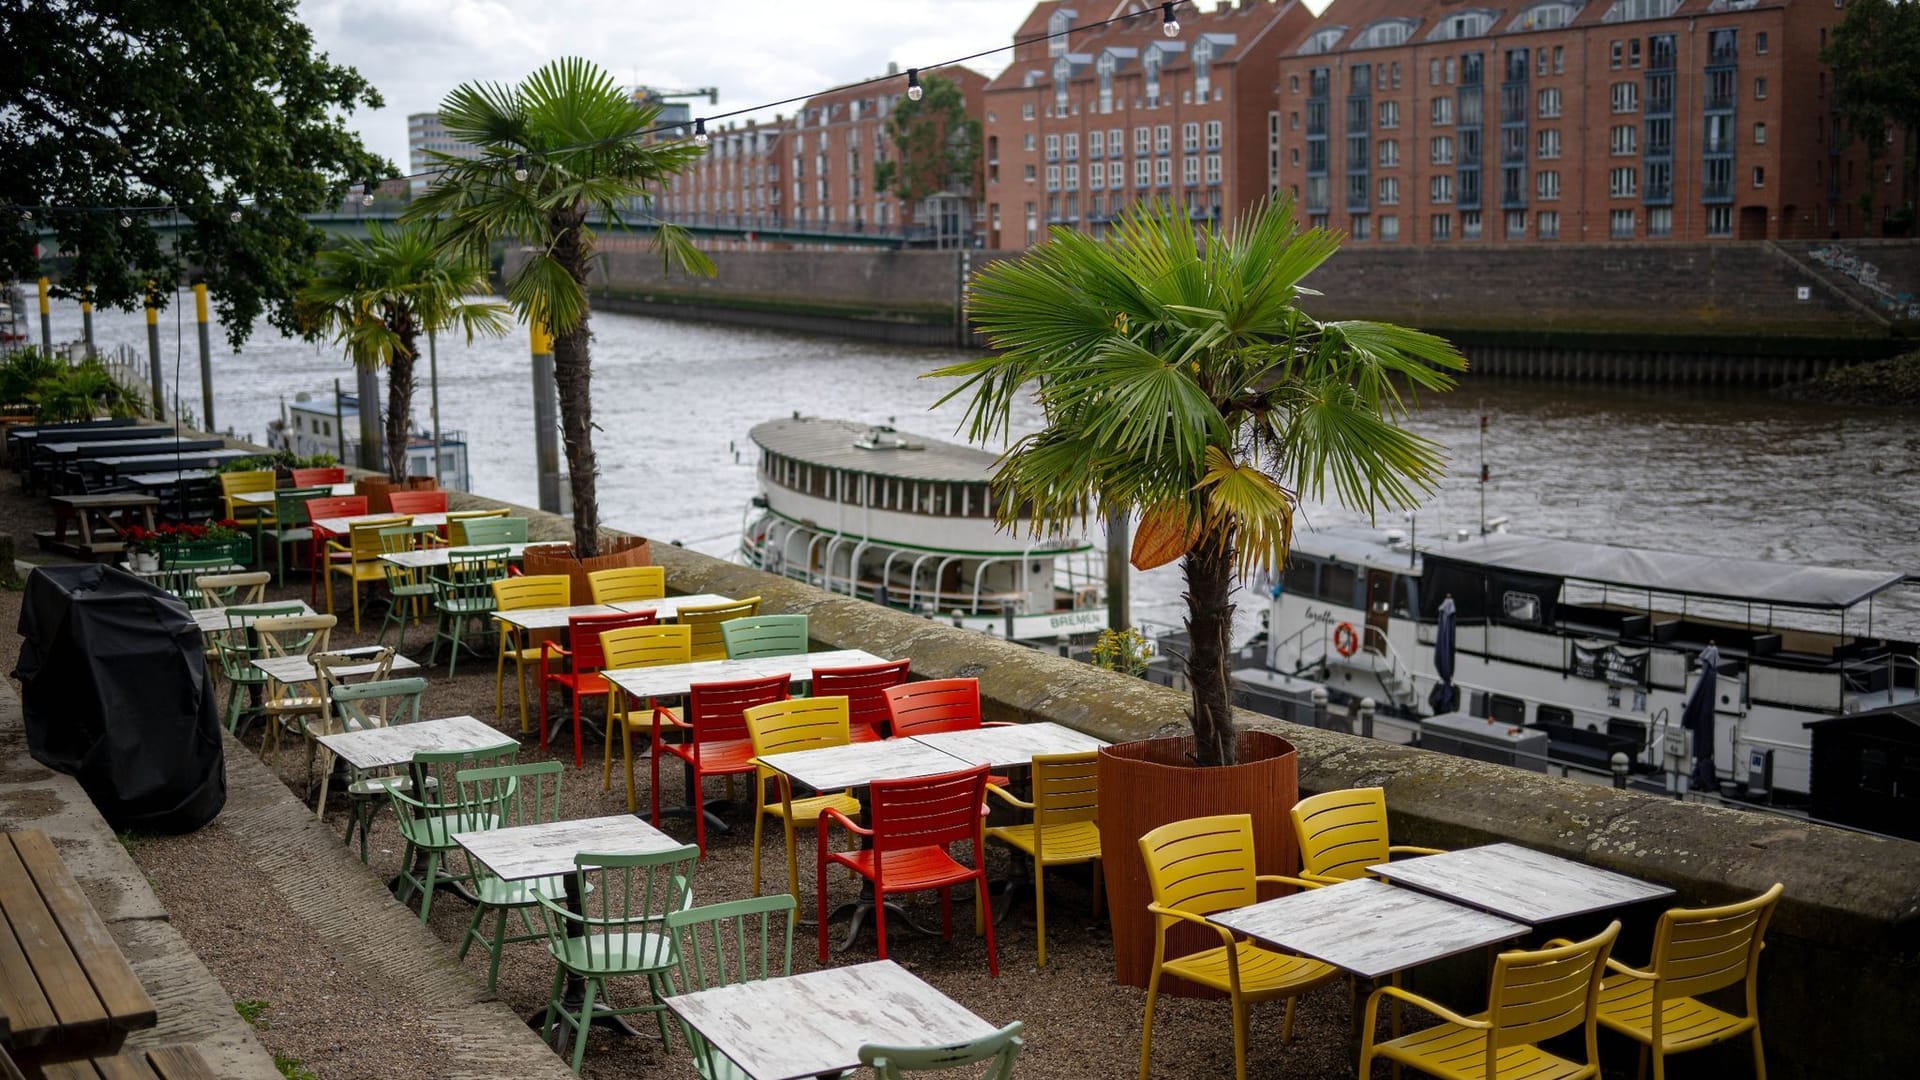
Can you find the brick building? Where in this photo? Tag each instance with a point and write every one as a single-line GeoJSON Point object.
{"type": "Point", "coordinates": [1436, 121]}
{"type": "Point", "coordinates": [1080, 126]}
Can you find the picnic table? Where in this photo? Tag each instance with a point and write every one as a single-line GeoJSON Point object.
{"type": "Point", "coordinates": [66, 990]}
{"type": "Point", "coordinates": [160, 1063]}
{"type": "Point", "coordinates": [1519, 883]}
{"type": "Point", "coordinates": [91, 513]}
{"type": "Point", "coordinates": [814, 1024]}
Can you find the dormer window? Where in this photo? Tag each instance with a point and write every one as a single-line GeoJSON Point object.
{"type": "Point", "coordinates": [1550, 15]}
{"type": "Point", "coordinates": [1202, 60]}
{"type": "Point", "coordinates": [1105, 68]}
{"type": "Point", "coordinates": [1322, 41]}
{"type": "Point", "coordinates": [1634, 10]}
{"type": "Point", "coordinates": [1150, 70]}
{"type": "Point", "coordinates": [1057, 26]}
{"type": "Point", "coordinates": [1062, 71]}
{"type": "Point", "coordinates": [1464, 24]}
{"type": "Point", "coordinates": [1385, 33]}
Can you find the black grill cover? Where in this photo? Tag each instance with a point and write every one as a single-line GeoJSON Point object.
{"type": "Point", "coordinates": [116, 692]}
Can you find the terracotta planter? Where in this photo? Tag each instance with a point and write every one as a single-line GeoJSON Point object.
{"type": "Point", "coordinates": [379, 491]}
{"type": "Point", "coordinates": [422, 483]}
{"type": "Point", "coordinates": [615, 552]}
{"type": "Point", "coordinates": [1150, 783]}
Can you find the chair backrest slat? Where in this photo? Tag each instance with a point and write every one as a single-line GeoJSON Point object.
{"type": "Point", "coordinates": [584, 635]}
{"type": "Point", "coordinates": [1001, 1049]}
{"type": "Point", "coordinates": [375, 703]}
{"type": "Point", "coordinates": [1341, 833]}
{"type": "Point", "coordinates": [865, 688]}
{"type": "Point", "coordinates": [623, 583]}
{"type": "Point", "coordinates": [335, 506]}
{"type": "Point", "coordinates": [535, 591]}
{"type": "Point", "coordinates": [764, 635]}
{"type": "Point", "coordinates": [928, 810]}
{"type": "Point", "coordinates": [418, 502]}
{"type": "Point", "coordinates": [519, 794]}
{"type": "Point", "coordinates": [1541, 993]}
{"type": "Point", "coordinates": [1201, 865]}
{"type": "Point", "coordinates": [320, 475]}
{"type": "Point", "coordinates": [934, 705]}
{"type": "Point", "coordinates": [489, 531]}
{"type": "Point", "coordinates": [781, 727]}
{"type": "Point", "coordinates": [1700, 950]}
{"type": "Point", "coordinates": [646, 646]}
{"type": "Point", "coordinates": [226, 590]}
{"type": "Point", "coordinates": [364, 541]}
{"type": "Point", "coordinates": [708, 643]}
{"type": "Point", "coordinates": [290, 507]}
{"type": "Point", "coordinates": [716, 711]}
{"type": "Point", "coordinates": [1066, 789]}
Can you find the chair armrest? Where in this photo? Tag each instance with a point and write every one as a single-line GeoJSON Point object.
{"type": "Point", "coordinates": [1407, 849]}
{"type": "Point", "coordinates": [1319, 879]}
{"type": "Point", "coordinates": [1617, 966]}
{"type": "Point", "coordinates": [1226, 936]}
{"type": "Point", "coordinates": [548, 646]}
{"type": "Point", "coordinates": [1282, 879]}
{"type": "Point", "coordinates": [997, 723]}
{"type": "Point", "coordinates": [1006, 797]}
{"type": "Point", "coordinates": [1428, 1004]}
{"type": "Point", "coordinates": [831, 814]}
{"type": "Point", "coordinates": [335, 545]}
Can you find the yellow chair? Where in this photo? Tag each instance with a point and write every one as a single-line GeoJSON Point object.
{"type": "Point", "coordinates": [358, 560]}
{"type": "Point", "coordinates": [1198, 867]}
{"type": "Point", "coordinates": [520, 646]}
{"type": "Point", "coordinates": [1341, 833]}
{"type": "Point", "coordinates": [708, 642]}
{"type": "Point", "coordinates": [457, 519]}
{"type": "Point", "coordinates": [242, 483]}
{"type": "Point", "coordinates": [632, 647]}
{"type": "Point", "coordinates": [1065, 829]}
{"type": "Point", "coordinates": [1695, 952]}
{"type": "Point", "coordinates": [782, 727]}
{"type": "Point", "coordinates": [628, 583]}
{"type": "Point", "coordinates": [1535, 995]}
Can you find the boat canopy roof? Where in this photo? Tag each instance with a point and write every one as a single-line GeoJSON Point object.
{"type": "Point", "coordinates": [1754, 581]}
{"type": "Point", "coordinates": [832, 444]}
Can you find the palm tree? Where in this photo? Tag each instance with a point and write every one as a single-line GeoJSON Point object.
{"type": "Point", "coordinates": [377, 296]}
{"type": "Point", "coordinates": [1178, 379]}
{"type": "Point", "coordinates": [564, 148]}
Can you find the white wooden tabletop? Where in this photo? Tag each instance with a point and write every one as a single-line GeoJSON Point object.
{"type": "Point", "coordinates": [265, 498]}
{"type": "Point", "coordinates": [214, 619]}
{"type": "Point", "coordinates": [375, 748]}
{"type": "Point", "coordinates": [668, 680]}
{"type": "Point", "coordinates": [1519, 883]}
{"type": "Point", "coordinates": [1368, 928]}
{"type": "Point", "coordinates": [168, 479]}
{"type": "Point", "coordinates": [831, 768]}
{"type": "Point", "coordinates": [668, 608]}
{"type": "Point", "coordinates": [814, 1024]}
{"type": "Point", "coordinates": [551, 618]}
{"type": "Point", "coordinates": [341, 526]}
{"type": "Point", "coordinates": [1013, 744]}
{"type": "Point", "coordinates": [433, 558]}
{"type": "Point", "coordinates": [296, 669]}
{"type": "Point", "coordinates": [525, 852]}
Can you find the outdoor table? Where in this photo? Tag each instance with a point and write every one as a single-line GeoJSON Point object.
{"type": "Point", "coordinates": [265, 498]}
{"type": "Point", "coordinates": [672, 680]}
{"type": "Point", "coordinates": [341, 526]}
{"type": "Point", "coordinates": [1009, 745]}
{"type": "Point", "coordinates": [814, 1024]}
{"type": "Point", "coordinates": [437, 557]}
{"type": "Point", "coordinates": [550, 618]}
{"type": "Point", "coordinates": [298, 669]}
{"type": "Point", "coordinates": [214, 619]}
{"type": "Point", "coordinates": [194, 459]}
{"type": "Point", "coordinates": [1519, 883]}
{"type": "Point", "coordinates": [667, 609]}
{"type": "Point", "coordinates": [168, 479]}
{"type": "Point", "coordinates": [546, 849]}
{"type": "Point", "coordinates": [384, 747]}
{"type": "Point", "coordinates": [96, 514]}
{"type": "Point", "coordinates": [166, 444]}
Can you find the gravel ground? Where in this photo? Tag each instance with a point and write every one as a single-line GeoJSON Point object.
{"type": "Point", "coordinates": [1079, 1023]}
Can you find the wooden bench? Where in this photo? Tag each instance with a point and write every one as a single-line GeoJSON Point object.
{"type": "Point", "coordinates": [66, 990]}
{"type": "Point", "coordinates": [164, 1063]}
{"type": "Point", "coordinates": [94, 515]}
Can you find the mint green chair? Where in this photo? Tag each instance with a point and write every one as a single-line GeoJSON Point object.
{"type": "Point", "coordinates": [517, 795]}
{"type": "Point", "coordinates": [238, 648]}
{"type": "Point", "coordinates": [486, 532]}
{"type": "Point", "coordinates": [409, 588]}
{"type": "Point", "coordinates": [289, 525]}
{"type": "Point", "coordinates": [614, 925]}
{"type": "Point", "coordinates": [430, 810]}
{"type": "Point", "coordinates": [722, 944]}
{"type": "Point", "coordinates": [378, 702]}
{"type": "Point", "coordinates": [764, 635]}
{"type": "Point", "coordinates": [463, 595]}
{"type": "Point", "coordinates": [998, 1050]}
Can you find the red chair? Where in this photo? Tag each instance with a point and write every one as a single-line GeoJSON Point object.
{"type": "Point", "coordinates": [716, 742]}
{"type": "Point", "coordinates": [418, 502]}
{"type": "Point", "coordinates": [306, 478]}
{"type": "Point", "coordinates": [328, 506]}
{"type": "Point", "coordinates": [584, 660]}
{"type": "Point", "coordinates": [935, 705]}
{"type": "Point", "coordinates": [915, 825]}
{"type": "Point", "coordinates": [865, 689]}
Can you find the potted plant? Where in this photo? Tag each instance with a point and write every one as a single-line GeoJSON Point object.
{"type": "Point", "coordinates": [1180, 383]}
{"type": "Point", "coordinates": [143, 549]}
{"type": "Point", "coordinates": [1125, 651]}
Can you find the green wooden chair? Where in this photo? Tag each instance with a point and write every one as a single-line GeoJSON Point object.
{"type": "Point", "coordinates": [238, 648]}
{"type": "Point", "coordinates": [409, 588]}
{"type": "Point", "coordinates": [764, 635]}
{"type": "Point", "coordinates": [356, 707]}
{"type": "Point", "coordinates": [613, 925]}
{"type": "Point", "coordinates": [486, 532]}
{"type": "Point", "coordinates": [430, 810]}
{"type": "Point", "coordinates": [998, 1050]}
{"type": "Point", "coordinates": [184, 562]}
{"type": "Point", "coordinates": [722, 944]}
{"type": "Point", "coordinates": [465, 594]}
{"type": "Point", "coordinates": [290, 526]}
{"type": "Point", "coordinates": [518, 795]}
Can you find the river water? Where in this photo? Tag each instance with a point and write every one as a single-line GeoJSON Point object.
{"type": "Point", "coordinates": [1714, 472]}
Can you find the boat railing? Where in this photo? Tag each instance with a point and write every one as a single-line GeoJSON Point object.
{"type": "Point", "coordinates": [1394, 673]}
{"type": "Point", "coordinates": [1303, 642]}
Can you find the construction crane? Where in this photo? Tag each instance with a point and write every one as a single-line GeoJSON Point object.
{"type": "Point", "coordinates": [654, 96]}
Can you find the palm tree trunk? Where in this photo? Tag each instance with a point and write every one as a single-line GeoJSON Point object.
{"type": "Point", "coordinates": [400, 399]}
{"type": "Point", "coordinates": [1209, 570]}
{"type": "Point", "coordinates": [573, 378]}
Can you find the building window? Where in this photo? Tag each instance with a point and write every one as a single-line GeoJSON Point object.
{"type": "Point", "coordinates": [1389, 153]}
{"type": "Point", "coordinates": [1760, 175]}
{"type": "Point", "coordinates": [1213, 168]}
{"type": "Point", "coordinates": [1190, 171]}
{"type": "Point", "coordinates": [1719, 221]}
{"type": "Point", "coordinates": [1053, 178]}
{"type": "Point", "coordinates": [1096, 143]}
{"type": "Point", "coordinates": [1516, 224]}
{"type": "Point", "coordinates": [1073, 178]}
{"type": "Point", "coordinates": [1620, 224]}
{"type": "Point", "coordinates": [1026, 111]}
{"type": "Point", "coordinates": [1549, 103]}
{"type": "Point", "coordinates": [1097, 175]}
{"type": "Point", "coordinates": [1626, 97]}
{"type": "Point", "coordinates": [1142, 141]}
{"type": "Point", "coordinates": [1163, 138]}
{"type": "Point", "coordinates": [1443, 111]}
{"type": "Point", "coordinates": [1389, 114]}
{"type": "Point", "coordinates": [1389, 229]}
{"type": "Point", "coordinates": [1389, 191]}
{"type": "Point", "coordinates": [1073, 146]}
{"type": "Point", "coordinates": [1362, 227]}
{"type": "Point", "coordinates": [1142, 173]}
{"type": "Point", "coordinates": [1163, 172]}
{"type": "Point", "coordinates": [1213, 134]}
{"type": "Point", "coordinates": [1546, 185]}
{"type": "Point", "coordinates": [1760, 43]}
{"type": "Point", "coordinates": [1760, 133]}
{"type": "Point", "coordinates": [1440, 226]}
{"type": "Point", "coordinates": [1116, 142]}
{"type": "Point", "coordinates": [1614, 53]}
{"type": "Point", "coordinates": [1633, 53]}
{"type": "Point", "coordinates": [1760, 89]}
{"type": "Point", "coordinates": [1624, 140]}
{"type": "Point", "coordinates": [1190, 137]}
{"type": "Point", "coordinates": [1440, 190]}
{"type": "Point", "coordinates": [1548, 144]}
{"type": "Point", "coordinates": [1470, 225]}
{"type": "Point", "coordinates": [1053, 148]}
{"type": "Point", "coordinates": [1559, 59]}
{"type": "Point", "coordinates": [1659, 221]}
{"type": "Point", "coordinates": [1433, 72]}
{"type": "Point", "coordinates": [1029, 174]}
{"type": "Point", "coordinates": [1442, 150]}
{"type": "Point", "coordinates": [1546, 224]}
{"type": "Point", "coordinates": [1293, 84]}
{"type": "Point", "coordinates": [1623, 182]}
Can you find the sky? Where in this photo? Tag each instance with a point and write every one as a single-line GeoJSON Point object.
{"type": "Point", "coordinates": [754, 51]}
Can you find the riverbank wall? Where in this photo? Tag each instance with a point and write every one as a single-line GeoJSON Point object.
{"type": "Point", "coordinates": [1759, 313]}
{"type": "Point", "coordinates": [1840, 979]}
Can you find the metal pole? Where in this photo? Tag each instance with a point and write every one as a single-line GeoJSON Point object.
{"type": "Point", "coordinates": [339, 425]}
{"type": "Point", "coordinates": [153, 359]}
{"type": "Point", "coordinates": [206, 357]}
{"type": "Point", "coordinates": [86, 325]}
{"type": "Point", "coordinates": [546, 417]}
{"type": "Point", "coordinates": [368, 382]}
{"type": "Point", "coordinates": [1119, 605]}
{"type": "Point", "coordinates": [46, 320]}
{"type": "Point", "coordinates": [433, 382]}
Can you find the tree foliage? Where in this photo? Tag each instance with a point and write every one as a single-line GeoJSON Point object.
{"type": "Point", "coordinates": [1874, 55]}
{"type": "Point", "coordinates": [936, 144]}
{"type": "Point", "coordinates": [377, 296]}
{"type": "Point", "coordinates": [1179, 381]}
{"type": "Point", "coordinates": [584, 148]}
{"type": "Point", "coordinates": [197, 105]}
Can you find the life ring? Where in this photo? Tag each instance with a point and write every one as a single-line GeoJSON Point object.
{"type": "Point", "coordinates": [1345, 640]}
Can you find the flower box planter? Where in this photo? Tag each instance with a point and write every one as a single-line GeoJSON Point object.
{"type": "Point", "coordinates": [615, 552]}
{"type": "Point", "coordinates": [1153, 782]}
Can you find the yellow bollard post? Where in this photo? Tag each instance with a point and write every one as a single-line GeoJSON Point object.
{"type": "Point", "coordinates": [46, 320]}
{"type": "Point", "coordinates": [206, 357]}
{"type": "Point", "coordinates": [546, 417]}
{"type": "Point", "coordinates": [153, 355]}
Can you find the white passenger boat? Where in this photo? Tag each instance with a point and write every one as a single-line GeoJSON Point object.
{"type": "Point", "coordinates": [1595, 646]}
{"type": "Point", "coordinates": [320, 424]}
{"type": "Point", "coordinates": [907, 521]}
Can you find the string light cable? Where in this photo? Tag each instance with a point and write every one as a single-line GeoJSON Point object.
{"type": "Point", "coordinates": [1169, 25]}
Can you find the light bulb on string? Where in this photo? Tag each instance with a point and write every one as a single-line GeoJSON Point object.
{"type": "Point", "coordinates": [126, 222]}
{"type": "Point", "coordinates": [1169, 25]}
{"type": "Point", "coordinates": [700, 133]}
{"type": "Point", "coordinates": [366, 193]}
{"type": "Point", "coordinates": [914, 92]}
{"type": "Point", "coordinates": [26, 215]}
{"type": "Point", "coordinates": [234, 217]}
{"type": "Point", "coordinates": [520, 168]}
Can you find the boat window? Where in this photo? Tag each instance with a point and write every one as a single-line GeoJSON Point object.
{"type": "Point", "coordinates": [1553, 714]}
{"type": "Point", "coordinates": [1405, 602]}
{"type": "Point", "coordinates": [1338, 584]}
{"type": "Point", "coordinates": [1506, 710]}
{"type": "Point", "coordinates": [1303, 577]}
